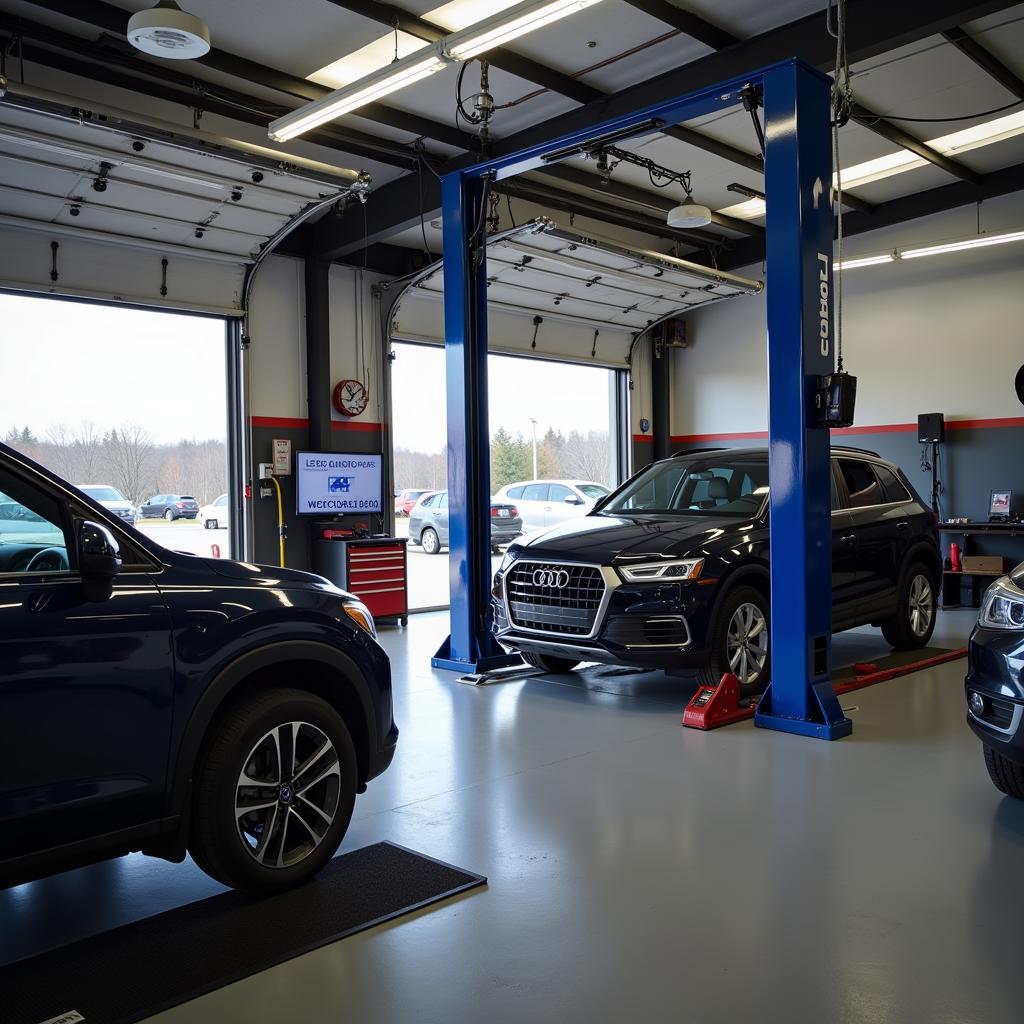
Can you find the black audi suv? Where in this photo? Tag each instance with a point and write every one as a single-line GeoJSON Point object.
{"type": "Point", "coordinates": [671, 571]}
{"type": "Point", "coordinates": [158, 701]}
{"type": "Point", "coordinates": [995, 682]}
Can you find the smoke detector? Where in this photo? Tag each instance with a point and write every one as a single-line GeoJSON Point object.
{"type": "Point", "coordinates": [689, 215]}
{"type": "Point", "coordinates": [168, 31]}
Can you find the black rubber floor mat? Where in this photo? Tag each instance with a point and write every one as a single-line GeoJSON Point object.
{"type": "Point", "coordinates": [135, 971]}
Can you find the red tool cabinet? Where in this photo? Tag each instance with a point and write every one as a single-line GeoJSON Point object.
{"type": "Point", "coordinates": [372, 568]}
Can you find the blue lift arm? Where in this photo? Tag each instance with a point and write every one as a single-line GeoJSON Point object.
{"type": "Point", "coordinates": [798, 178]}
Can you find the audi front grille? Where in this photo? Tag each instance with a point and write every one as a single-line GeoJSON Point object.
{"type": "Point", "coordinates": [554, 597]}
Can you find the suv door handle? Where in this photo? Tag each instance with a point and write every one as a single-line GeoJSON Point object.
{"type": "Point", "coordinates": [849, 539]}
{"type": "Point", "coordinates": [902, 525]}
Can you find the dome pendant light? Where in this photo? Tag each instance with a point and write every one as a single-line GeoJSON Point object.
{"type": "Point", "coordinates": [167, 31]}
{"type": "Point", "coordinates": [689, 215]}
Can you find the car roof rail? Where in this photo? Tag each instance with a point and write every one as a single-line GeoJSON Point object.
{"type": "Point", "coordinates": [697, 451]}
{"type": "Point", "coordinates": [850, 448]}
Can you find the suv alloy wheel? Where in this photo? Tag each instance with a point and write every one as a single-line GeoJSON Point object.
{"type": "Point", "coordinates": [275, 791]}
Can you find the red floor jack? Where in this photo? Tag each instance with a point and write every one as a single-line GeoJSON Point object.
{"type": "Point", "coordinates": [712, 706]}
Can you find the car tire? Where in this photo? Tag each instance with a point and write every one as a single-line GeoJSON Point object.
{"type": "Point", "coordinates": [209, 524]}
{"type": "Point", "coordinates": [169, 515]}
{"type": "Point", "coordinates": [730, 635]}
{"type": "Point", "coordinates": [914, 622]}
{"type": "Point", "coordinates": [548, 662]}
{"type": "Point", "coordinates": [430, 541]}
{"type": "Point", "coordinates": [226, 845]}
{"type": "Point", "coordinates": [1006, 775]}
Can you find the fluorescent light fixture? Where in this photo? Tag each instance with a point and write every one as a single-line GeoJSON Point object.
{"type": "Point", "coordinates": [971, 243]}
{"type": "Point", "coordinates": [864, 261]}
{"type": "Point", "coordinates": [508, 25]}
{"type": "Point", "coordinates": [401, 73]}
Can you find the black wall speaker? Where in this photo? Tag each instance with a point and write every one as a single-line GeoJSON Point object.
{"type": "Point", "coordinates": [931, 427]}
{"type": "Point", "coordinates": [1019, 385]}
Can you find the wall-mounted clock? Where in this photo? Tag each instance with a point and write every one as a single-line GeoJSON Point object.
{"type": "Point", "coordinates": [350, 397]}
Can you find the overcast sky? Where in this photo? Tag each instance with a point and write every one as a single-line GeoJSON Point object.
{"type": "Point", "coordinates": [559, 395]}
{"type": "Point", "coordinates": [75, 362]}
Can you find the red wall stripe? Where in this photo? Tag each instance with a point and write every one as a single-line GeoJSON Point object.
{"type": "Point", "coordinates": [300, 423]}
{"type": "Point", "coordinates": [644, 439]}
{"type": "Point", "coordinates": [879, 428]}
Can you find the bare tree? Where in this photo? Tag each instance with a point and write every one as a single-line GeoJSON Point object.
{"type": "Point", "coordinates": [87, 451]}
{"type": "Point", "coordinates": [130, 454]}
{"type": "Point", "coordinates": [585, 456]}
{"type": "Point", "coordinates": [61, 454]}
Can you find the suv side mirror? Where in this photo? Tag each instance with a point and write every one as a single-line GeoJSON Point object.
{"type": "Point", "coordinates": [99, 557]}
{"type": "Point", "coordinates": [572, 499]}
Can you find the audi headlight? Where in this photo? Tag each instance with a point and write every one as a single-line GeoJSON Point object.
{"type": "Point", "coordinates": [674, 572]}
{"type": "Point", "coordinates": [1003, 606]}
{"type": "Point", "coordinates": [510, 557]}
{"type": "Point", "coordinates": [360, 615]}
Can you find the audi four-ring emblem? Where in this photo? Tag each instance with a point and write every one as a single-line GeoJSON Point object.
{"type": "Point", "coordinates": [558, 579]}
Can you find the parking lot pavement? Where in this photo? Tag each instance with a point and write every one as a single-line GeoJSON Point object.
{"type": "Point", "coordinates": [187, 535]}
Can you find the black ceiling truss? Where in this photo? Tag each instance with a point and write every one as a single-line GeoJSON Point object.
{"type": "Point", "coordinates": [898, 211]}
{"type": "Point", "coordinates": [897, 135]}
{"type": "Point", "coordinates": [986, 60]}
{"type": "Point", "coordinates": [172, 86]}
{"type": "Point", "coordinates": [539, 74]}
{"type": "Point", "coordinates": [691, 24]}
{"type": "Point", "coordinates": [874, 27]}
{"type": "Point", "coordinates": [110, 18]}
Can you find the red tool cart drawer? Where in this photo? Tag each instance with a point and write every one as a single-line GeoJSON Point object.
{"type": "Point", "coordinates": [372, 568]}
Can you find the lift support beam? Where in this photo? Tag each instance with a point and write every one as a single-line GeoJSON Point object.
{"type": "Point", "coordinates": [798, 169]}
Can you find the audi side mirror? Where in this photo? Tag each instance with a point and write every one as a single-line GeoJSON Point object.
{"type": "Point", "coordinates": [99, 559]}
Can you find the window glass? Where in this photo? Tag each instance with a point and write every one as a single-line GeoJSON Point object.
{"type": "Point", "coordinates": [834, 488]}
{"type": "Point", "coordinates": [595, 491]}
{"type": "Point", "coordinates": [559, 492]}
{"type": "Point", "coordinates": [221, 502]}
{"type": "Point", "coordinates": [535, 492]}
{"type": "Point", "coordinates": [515, 492]}
{"type": "Point", "coordinates": [861, 484]}
{"type": "Point", "coordinates": [30, 525]}
{"type": "Point", "coordinates": [718, 486]}
{"type": "Point", "coordinates": [892, 487]}
{"type": "Point", "coordinates": [442, 499]}
{"type": "Point", "coordinates": [428, 502]}
{"type": "Point", "coordinates": [103, 493]}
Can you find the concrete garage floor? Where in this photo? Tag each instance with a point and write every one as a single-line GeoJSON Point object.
{"type": "Point", "coordinates": [642, 872]}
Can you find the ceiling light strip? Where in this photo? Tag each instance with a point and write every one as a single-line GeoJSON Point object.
{"type": "Point", "coordinates": [978, 242]}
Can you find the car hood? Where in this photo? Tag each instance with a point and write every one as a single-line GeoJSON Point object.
{"type": "Point", "coordinates": [268, 575]}
{"type": "Point", "coordinates": [605, 539]}
{"type": "Point", "coordinates": [117, 506]}
{"type": "Point", "coordinates": [1017, 575]}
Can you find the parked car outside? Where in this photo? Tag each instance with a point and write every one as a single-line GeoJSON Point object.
{"type": "Point", "coordinates": [169, 507]}
{"type": "Point", "coordinates": [428, 523]}
{"type": "Point", "coordinates": [215, 515]}
{"type": "Point", "coordinates": [671, 571]}
{"type": "Point", "coordinates": [163, 702]}
{"type": "Point", "coordinates": [405, 500]}
{"type": "Point", "coordinates": [111, 499]}
{"type": "Point", "coordinates": [544, 503]}
{"type": "Point", "coordinates": [994, 684]}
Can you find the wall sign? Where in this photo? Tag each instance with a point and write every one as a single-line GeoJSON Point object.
{"type": "Point", "coordinates": [282, 457]}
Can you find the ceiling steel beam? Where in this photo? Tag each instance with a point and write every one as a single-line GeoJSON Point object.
{"type": "Point", "coordinates": [691, 24]}
{"type": "Point", "coordinates": [343, 141]}
{"type": "Point", "coordinates": [582, 206]}
{"type": "Point", "coordinates": [540, 74]}
{"type": "Point", "coordinates": [906, 208]}
{"type": "Point", "coordinates": [637, 196]}
{"type": "Point", "coordinates": [499, 57]}
{"type": "Point", "coordinates": [109, 18]}
{"type": "Point", "coordinates": [986, 60]}
{"type": "Point", "coordinates": [895, 134]}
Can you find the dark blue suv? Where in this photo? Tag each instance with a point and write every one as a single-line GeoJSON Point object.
{"type": "Point", "coordinates": [671, 571]}
{"type": "Point", "coordinates": [163, 702]}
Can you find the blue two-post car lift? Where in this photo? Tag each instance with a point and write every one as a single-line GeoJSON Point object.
{"type": "Point", "coordinates": [798, 178]}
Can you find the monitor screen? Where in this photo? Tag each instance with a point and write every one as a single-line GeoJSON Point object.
{"type": "Point", "coordinates": [336, 483]}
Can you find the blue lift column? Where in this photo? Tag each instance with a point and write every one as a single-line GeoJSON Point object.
{"type": "Point", "coordinates": [470, 646]}
{"type": "Point", "coordinates": [798, 182]}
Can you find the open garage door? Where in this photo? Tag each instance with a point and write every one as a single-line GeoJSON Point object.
{"type": "Point", "coordinates": [577, 285]}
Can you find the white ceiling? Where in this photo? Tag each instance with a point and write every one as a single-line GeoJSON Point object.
{"type": "Point", "coordinates": [927, 79]}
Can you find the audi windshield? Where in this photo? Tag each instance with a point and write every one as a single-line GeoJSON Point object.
{"type": "Point", "coordinates": [717, 486]}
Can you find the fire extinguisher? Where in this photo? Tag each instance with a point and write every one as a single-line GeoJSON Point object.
{"type": "Point", "coordinates": [954, 557]}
